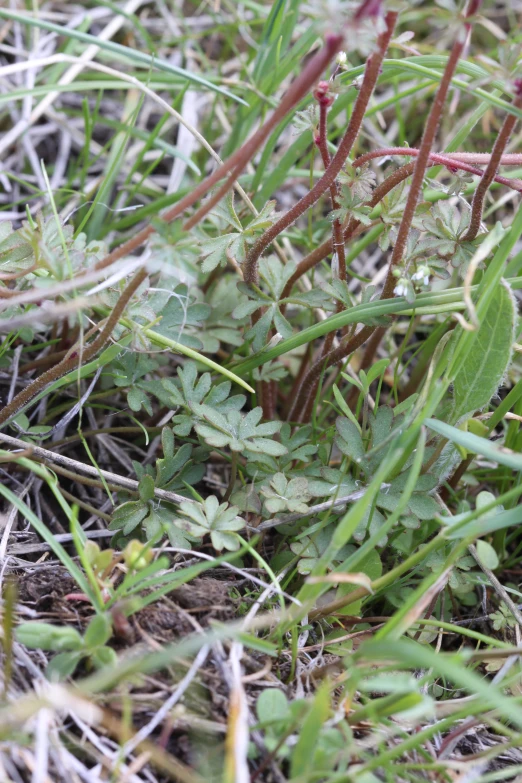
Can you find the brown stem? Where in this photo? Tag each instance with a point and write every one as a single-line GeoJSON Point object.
{"type": "Point", "coordinates": [304, 397]}
{"type": "Point", "coordinates": [465, 161]}
{"type": "Point", "coordinates": [460, 161]}
{"type": "Point", "coordinates": [237, 162]}
{"type": "Point", "coordinates": [421, 161]}
{"type": "Point", "coordinates": [337, 229]}
{"type": "Point", "coordinates": [266, 397]}
{"type": "Point", "coordinates": [373, 67]}
{"type": "Point", "coordinates": [320, 252]}
{"type": "Point", "coordinates": [446, 158]}
{"type": "Point", "coordinates": [490, 172]}
{"type": "Point", "coordinates": [76, 354]}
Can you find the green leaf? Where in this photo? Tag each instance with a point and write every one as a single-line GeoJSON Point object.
{"type": "Point", "coordinates": [128, 516]}
{"type": "Point", "coordinates": [477, 445]}
{"type": "Point", "coordinates": [240, 432]}
{"type": "Point", "coordinates": [63, 665]}
{"type": "Point", "coordinates": [488, 523]}
{"type": "Point", "coordinates": [285, 495]}
{"type": "Point", "coordinates": [167, 342]}
{"type": "Point", "coordinates": [103, 656]}
{"type": "Point", "coordinates": [444, 301]}
{"type": "Point", "coordinates": [349, 440]}
{"type": "Point", "coordinates": [272, 705]}
{"type": "Point", "coordinates": [487, 555]}
{"type": "Point", "coordinates": [304, 749]}
{"type": "Point", "coordinates": [483, 368]}
{"type": "Point", "coordinates": [220, 520]}
{"type": "Point", "coordinates": [98, 632]}
{"type": "Point", "coordinates": [182, 318]}
{"type": "Point", "coordinates": [44, 636]}
{"type": "Point", "coordinates": [146, 488]}
{"type": "Point", "coordinates": [189, 389]}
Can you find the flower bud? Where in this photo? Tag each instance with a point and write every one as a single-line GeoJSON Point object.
{"type": "Point", "coordinates": [322, 95]}
{"type": "Point", "coordinates": [134, 556]}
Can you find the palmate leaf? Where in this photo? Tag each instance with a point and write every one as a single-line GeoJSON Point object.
{"type": "Point", "coordinates": [421, 506]}
{"type": "Point", "coordinates": [298, 449]}
{"type": "Point", "coordinates": [217, 250]}
{"type": "Point", "coordinates": [182, 317]}
{"type": "Point", "coordinates": [447, 226]}
{"type": "Point", "coordinates": [275, 275]}
{"type": "Point", "coordinates": [190, 390]}
{"type": "Point", "coordinates": [47, 244]}
{"type": "Point", "coordinates": [240, 432]}
{"type": "Point", "coordinates": [286, 495]}
{"type": "Point", "coordinates": [220, 520]}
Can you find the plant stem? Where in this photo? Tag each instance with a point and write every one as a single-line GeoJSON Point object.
{"type": "Point", "coordinates": [422, 159]}
{"type": "Point", "coordinates": [233, 476]}
{"type": "Point", "coordinates": [371, 74]}
{"type": "Point", "coordinates": [454, 161]}
{"type": "Point", "coordinates": [237, 162]}
{"type": "Point", "coordinates": [305, 396]}
{"type": "Point", "coordinates": [490, 173]}
{"type": "Point", "coordinates": [78, 353]}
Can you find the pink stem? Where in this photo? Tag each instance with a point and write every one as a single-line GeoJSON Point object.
{"type": "Point", "coordinates": [461, 161]}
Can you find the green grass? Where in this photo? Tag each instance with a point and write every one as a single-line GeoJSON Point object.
{"type": "Point", "coordinates": [174, 548]}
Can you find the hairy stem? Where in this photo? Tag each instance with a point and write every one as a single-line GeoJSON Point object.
{"type": "Point", "coordinates": [490, 172]}
{"type": "Point", "coordinates": [305, 396]}
{"type": "Point", "coordinates": [75, 355]}
{"type": "Point", "coordinates": [422, 160]}
{"type": "Point", "coordinates": [337, 229]}
{"type": "Point", "coordinates": [237, 162]}
{"type": "Point", "coordinates": [371, 75]}
{"type": "Point", "coordinates": [461, 161]}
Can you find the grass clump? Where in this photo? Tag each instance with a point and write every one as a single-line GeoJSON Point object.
{"type": "Point", "coordinates": [259, 274]}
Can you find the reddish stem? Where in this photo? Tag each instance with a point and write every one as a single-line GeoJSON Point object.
{"type": "Point", "coordinates": [70, 360]}
{"type": "Point", "coordinates": [237, 162]}
{"type": "Point", "coordinates": [489, 174]}
{"type": "Point", "coordinates": [421, 163]}
{"type": "Point", "coordinates": [304, 399]}
{"type": "Point", "coordinates": [373, 67]}
{"type": "Point", "coordinates": [453, 161]}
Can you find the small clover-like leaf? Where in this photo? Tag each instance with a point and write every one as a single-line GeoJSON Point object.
{"type": "Point", "coordinates": [286, 495]}
{"type": "Point", "coordinates": [220, 520]}
{"type": "Point", "coordinates": [190, 390]}
{"type": "Point", "coordinates": [240, 432]}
